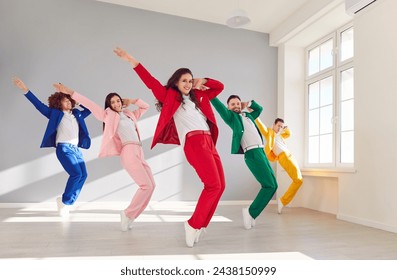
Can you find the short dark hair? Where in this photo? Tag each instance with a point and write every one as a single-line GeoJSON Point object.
{"type": "Point", "coordinates": [278, 120]}
{"type": "Point", "coordinates": [232, 97]}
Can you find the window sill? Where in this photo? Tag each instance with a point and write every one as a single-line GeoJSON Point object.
{"type": "Point", "coordinates": [334, 173]}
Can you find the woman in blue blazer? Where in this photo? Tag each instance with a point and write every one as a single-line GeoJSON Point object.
{"type": "Point", "coordinates": [67, 132]}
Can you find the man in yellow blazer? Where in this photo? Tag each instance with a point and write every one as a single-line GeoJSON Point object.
{"type": "Point", "coordinates": [276, 149]}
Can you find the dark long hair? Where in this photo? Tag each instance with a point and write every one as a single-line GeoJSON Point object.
{"type": "Point", "coordinates": [107, 102]}
{"type": "Point", "coordinates": [172, 84]}
{"type": "Point", "coordinates": [55, 99]}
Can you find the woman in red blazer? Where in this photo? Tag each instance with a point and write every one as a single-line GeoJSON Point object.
{"type": "Point", "coordinates": [187, 119]}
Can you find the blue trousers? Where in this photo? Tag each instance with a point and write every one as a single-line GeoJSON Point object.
{"type": "Point", "coordinates": [72, 161]}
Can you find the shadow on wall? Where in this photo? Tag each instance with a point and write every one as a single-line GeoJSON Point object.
{"type": "Point", "coordinates": [44, 178]}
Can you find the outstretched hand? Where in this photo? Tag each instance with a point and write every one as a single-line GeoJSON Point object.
{"type": "Point", "coordinates": [126, 56]}
{"type": "Point", "coordinates": [62, 88]}
{"type": "Point", "coordinates": [17, 82]}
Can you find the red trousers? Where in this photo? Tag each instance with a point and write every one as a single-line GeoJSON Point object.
{"type": "Point", "coordinates": [202, 155]}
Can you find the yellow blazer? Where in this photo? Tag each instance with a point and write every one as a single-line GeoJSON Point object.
{"type": "Point", "coordinates": [270, 136]}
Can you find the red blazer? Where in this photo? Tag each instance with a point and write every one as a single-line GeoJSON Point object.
{"type": "Point", "coordinates": [166, 130]}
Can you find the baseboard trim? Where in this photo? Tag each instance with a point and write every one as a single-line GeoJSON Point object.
{"type": "Point", "coordinates": [367, 223]}
{"type": "Point", "coordinates": [95, 204]}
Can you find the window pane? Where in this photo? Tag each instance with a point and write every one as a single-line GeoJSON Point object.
{"type": "Point", "coordinates": [347, 115]}
{"type": "Point", "coordinates": [326, 57]}
{"type": "Point", "coordinates": [314, 95]}
{"type": "Point", "coordinates": [330, 97]}
{"type": "Point", "coordinates": [314, 127]}
{"type": "Point", "coordinates": [347, 44]}
{"type": "Point", "coordinates": [326, 149]}
{"type": "Point", "coordinates": [326, 119]}
{"type": "Point", "coordinates": [326, 90]}
{"type": "Point", "coordinates": [347, 147]}
{"type": "Point", "coordinates": [313, 149]}
{"type": "Point", "coordinates": [347, 84]}
{"type": "Point", "coordinates": [314, 61]}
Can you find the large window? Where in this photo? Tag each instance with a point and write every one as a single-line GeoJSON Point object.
{"type": "Point", "coordinates": [330, 101]}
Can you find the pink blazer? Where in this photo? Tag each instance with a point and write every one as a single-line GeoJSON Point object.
{"type": "Point", "coordinates": [111, 143]}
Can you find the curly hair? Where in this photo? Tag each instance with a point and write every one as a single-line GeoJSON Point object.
{"type": "Point", "coordinates": [55, 99]}
{"type": "Point", "coordinates": [172, 84]}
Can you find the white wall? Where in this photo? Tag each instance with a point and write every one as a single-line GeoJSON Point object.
{"type": "Point", "coordinates": [49, 41]}
{"type": "Point", "coordinates": [366, 196]}
{"type": "Point", "coordinates": [290, 107]}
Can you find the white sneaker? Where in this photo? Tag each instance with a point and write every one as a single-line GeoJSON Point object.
{"type": "Point", "coordinates": [199, 232]}
{"type": "Point", "coordinates": [253, 222]}
{"type": "Point", "coordinates": [279, 206]}
{"type": "Point", "coordinates": [125, 222]}
{"type": "Point", "coordinates": [190, 234]}
{"type": "Point", "coordinates": [63, 209]}
{"type": "Point", "coordinates": [130, 224]}
{"type": "Point", "coordinates": [247, 219]}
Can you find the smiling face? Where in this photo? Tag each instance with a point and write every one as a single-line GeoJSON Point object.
{"type": "Point", "coordinates": [278, 126]}
{"type": "Point", "coordinates": [234, 105]}
{"type": "Point", "coordinates": [66, 104]}
{"type": "Point", "coordinates": [116, 104]}
{"type": "Point", "coordinates": [185, 83]}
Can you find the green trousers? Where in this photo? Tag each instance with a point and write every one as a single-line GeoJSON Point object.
{"type": "Point", "coordinates": [258, 164]}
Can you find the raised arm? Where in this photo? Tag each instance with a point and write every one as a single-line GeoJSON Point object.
{"type": "Point", "coordinates": [159, 91]}
{"type": "Point", "coordinates": [286, 133]}
{"type": "Point", "coordinates": [19, 84]}
{"type": "Point", "coordinates": [211, 87]}
{"type": "Point", "coordinates": [262, 127]}
{"type": "Point", "coordinates": [224, 112]}
{"type": "Point", "coordinates": [40, 106]}
{"type": "Point", "coordinates": [96, 110]}
{"type": "Point", "coordinates": [126, 57]}
{"type": "Point", "coordinates": [142, 106]}
{"type": "Point", "coordinates": [256, 109]}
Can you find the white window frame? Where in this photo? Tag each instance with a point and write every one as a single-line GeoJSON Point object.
{"type": "Point", "coordinates": [335, 71]}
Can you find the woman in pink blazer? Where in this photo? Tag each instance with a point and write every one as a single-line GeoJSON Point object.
{"type": "Point", "coordinates": [121, 138]}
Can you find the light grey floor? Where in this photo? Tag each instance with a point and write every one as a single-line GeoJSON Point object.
{"type": "Point", "coordinates": [93, 231]}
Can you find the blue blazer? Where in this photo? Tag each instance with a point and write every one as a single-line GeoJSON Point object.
{"type": "Point", "coordinates": [55, 117]}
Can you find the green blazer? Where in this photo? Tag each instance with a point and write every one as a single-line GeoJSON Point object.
{"type": "Point", "coordinates": [235, 121]}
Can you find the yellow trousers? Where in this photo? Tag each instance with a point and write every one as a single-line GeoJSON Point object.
{"type": "Point", "coordinates": [290, 165]}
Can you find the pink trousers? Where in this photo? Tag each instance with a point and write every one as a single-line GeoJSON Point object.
{"type": "Point", "coordinates": [133, 161]}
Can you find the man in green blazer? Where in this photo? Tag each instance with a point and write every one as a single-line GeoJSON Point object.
{"type": "Point", "coordinates": [248, 140]}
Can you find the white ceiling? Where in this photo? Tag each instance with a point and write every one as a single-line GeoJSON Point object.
{"type": "Point", "coordinates": [265, 15]}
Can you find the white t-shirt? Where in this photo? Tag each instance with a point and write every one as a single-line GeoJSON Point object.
{"type": "Point", "coordinates": [187, 118]}
{"type": "Point", "coordinates": [127, 129]}
{"type": "Point", "coordinates": [68, 130]}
